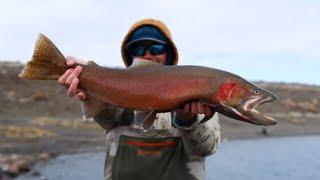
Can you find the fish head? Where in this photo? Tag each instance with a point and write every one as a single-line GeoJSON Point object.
{"type": "Point", "coordinates": [239, 99]}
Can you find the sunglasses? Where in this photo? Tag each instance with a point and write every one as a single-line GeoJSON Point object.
{"type": "Point", "coordinates": [154, 49]}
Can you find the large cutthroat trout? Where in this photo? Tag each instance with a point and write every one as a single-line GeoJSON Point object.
{"type": "Point", "coordinates": [147, 86]}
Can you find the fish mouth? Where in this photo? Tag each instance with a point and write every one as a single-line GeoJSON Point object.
{"type": "Point", "coordinates": [251, 114]}
{"type": "Point", "coordinates": [247, 111]}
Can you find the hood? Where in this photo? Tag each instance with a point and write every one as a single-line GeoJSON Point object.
{"type": "Point", "coordinates": [158, 24]}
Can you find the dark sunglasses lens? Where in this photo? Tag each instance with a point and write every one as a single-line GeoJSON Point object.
{"type": "Point", "coordinates": [139, 51]}
{"type": "Point", "coordinates": [157, 49]}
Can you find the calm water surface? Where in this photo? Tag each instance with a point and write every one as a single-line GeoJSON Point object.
{"type": "Point", "coordinates": [293, 158]}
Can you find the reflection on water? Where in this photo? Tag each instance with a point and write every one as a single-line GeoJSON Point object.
{"type": "Point", "coordinates": [275, 158]}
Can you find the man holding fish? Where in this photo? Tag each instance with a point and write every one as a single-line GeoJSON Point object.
{"type": "Point", "coordinates": [171, 145]}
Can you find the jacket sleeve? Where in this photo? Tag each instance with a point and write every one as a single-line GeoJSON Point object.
{"type": "Point", "coordinates": [112, 116]}
{"type": "Point", "coordinates": [201, 139]}
{"type": "Point", "coordinates": [109, 117]}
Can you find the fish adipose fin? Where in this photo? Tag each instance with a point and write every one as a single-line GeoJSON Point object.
{"type": "Point", "coordinates": [47, 61]}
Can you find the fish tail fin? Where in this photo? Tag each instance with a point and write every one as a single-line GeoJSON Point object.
{"type": "Point", "coordinates": [47, 61]}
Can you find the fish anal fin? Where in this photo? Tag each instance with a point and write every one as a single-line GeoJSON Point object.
{"type": "Point", "coordinates": [92, 106]}
{"type": "Point", "coordinates": [209, 104]}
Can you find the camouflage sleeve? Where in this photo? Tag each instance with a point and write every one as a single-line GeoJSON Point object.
{"type": "Point", "coordinates": [112, 116]}
{"type": "Point", "coordinates": [201, 139]}
{"type": "Point", "coordinates": [108, 117]}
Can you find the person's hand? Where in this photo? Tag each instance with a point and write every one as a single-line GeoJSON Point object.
{"type": "Point", "coordinates": [190, 110]}
{"type": "Point", "coordinates": [70, 78]}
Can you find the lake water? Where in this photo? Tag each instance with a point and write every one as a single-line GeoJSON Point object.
{"type": "Point", "coordinates": [293, 158]}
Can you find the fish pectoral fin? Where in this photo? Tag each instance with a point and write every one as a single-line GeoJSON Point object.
{"type": "Point", "coordinates": [92, 106]}
{"type": "Point", "coordinates": [208, 104]}
{"type": "Point", "coordinates": [213, 109]}
{"type": "Point", "coordinates": [149, 119]}
{"type": "Point", "coordinates": [206, 118]}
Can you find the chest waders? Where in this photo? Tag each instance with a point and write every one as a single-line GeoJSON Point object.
{"type": "Point", "coordinates": [156, 158]}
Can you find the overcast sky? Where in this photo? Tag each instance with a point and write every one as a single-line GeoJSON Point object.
{"type": "Point", "coordinates": [274, 40]}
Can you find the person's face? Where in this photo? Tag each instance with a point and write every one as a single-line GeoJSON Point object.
{"type": "Point", "coordinates": [148, 53]}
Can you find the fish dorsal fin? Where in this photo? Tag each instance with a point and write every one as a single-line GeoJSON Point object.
{"type": "Point", "coordinates": [142, 63]}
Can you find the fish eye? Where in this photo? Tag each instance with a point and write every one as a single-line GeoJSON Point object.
{"type": "Point", "coordinates": [256, 92]}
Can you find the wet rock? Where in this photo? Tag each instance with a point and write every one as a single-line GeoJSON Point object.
{"type": "Point", "coordinates": [14, 164]}
{"type": "Point", "coordinates": [21, 165]}
{"type": "Point", "coordinates": [3, 176]}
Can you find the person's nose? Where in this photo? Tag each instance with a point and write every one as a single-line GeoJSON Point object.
{"type": "Point", "coordinates": [148, 55]}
